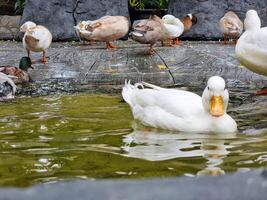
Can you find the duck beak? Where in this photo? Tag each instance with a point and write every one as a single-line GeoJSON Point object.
{"type": "Point", "coordinates": [216, 106]}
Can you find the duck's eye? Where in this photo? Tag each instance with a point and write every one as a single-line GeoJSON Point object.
{"type": "Point", "coordinates": [208, 88]}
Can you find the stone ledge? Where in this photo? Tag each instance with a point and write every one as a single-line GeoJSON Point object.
{"type": "Point", "coordinates": [245, 186]}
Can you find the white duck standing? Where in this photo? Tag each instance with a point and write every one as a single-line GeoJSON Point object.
{"type": "Point", "coordinates": [251, 48]}
{"type": "Point", "coordinates": [174, 27]}
{"type": "Point", "coordinates": [181, 110]}
{"type": "Point", "coordinates": [37, 38]}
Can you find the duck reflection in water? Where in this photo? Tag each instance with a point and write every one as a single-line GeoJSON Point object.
{"type": "Point", "coordinates": [159, 145]}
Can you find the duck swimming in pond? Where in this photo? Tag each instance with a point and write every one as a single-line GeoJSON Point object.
{"type": "Point", "coordinates": [18, 75]}
{"type": "Point", "coordinates": [37, 38]}
{"type": "Point", "coordinates": [181, 110]}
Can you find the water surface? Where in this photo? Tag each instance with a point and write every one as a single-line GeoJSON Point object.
{"type": "Point", "coordinates": [85, 136]}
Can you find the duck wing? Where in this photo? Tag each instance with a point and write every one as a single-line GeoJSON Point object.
{"type": "Point", "coordinates": [231, 25]}
{"type": "Point", "coordinates": [31, 41]}
{"type": "Point", "coordinates": [164, 108]}
{"type": "Point", "coordinates": [176, 102]}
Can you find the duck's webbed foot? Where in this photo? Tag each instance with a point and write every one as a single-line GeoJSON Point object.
{"type": "Point", "coordinates": [262, 92]}
{"type": "Point", "coordinates": [150, 52]}
{"type": "Point", "coordinates": [177, 41]}
{"type": "Point", "coordinates": [111, 46]}
{"type": "Point", "coordinates": [170, 43]}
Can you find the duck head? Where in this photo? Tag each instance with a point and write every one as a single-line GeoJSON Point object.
{"type": "Point", "coordinates": [192, 17]}
{"type": "Point", "coordinates": [215, 97]}
{"type": "Point", "coordinates": [252, 21]}
{"type": "Point", "coordinates": [82, 25]}
{"type": "Point", "coordinates": [25, 63]}
{"type": "Point", "coordinates": [26, 26]}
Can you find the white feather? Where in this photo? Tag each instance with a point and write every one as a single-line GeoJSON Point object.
{"type": "Point", "coordinates": [174, 109]}
{"type": "Point", "coordinates": [251, 47]}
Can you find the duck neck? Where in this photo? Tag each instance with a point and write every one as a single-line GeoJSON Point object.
{"type": "Point", "coordinates": [252, 23]}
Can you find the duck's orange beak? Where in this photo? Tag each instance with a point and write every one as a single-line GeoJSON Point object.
{"type": "Point", "coordinates": [216, 106]}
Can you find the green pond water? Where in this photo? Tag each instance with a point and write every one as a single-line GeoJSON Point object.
{"type": "Point", "coordinates": [85, 136]}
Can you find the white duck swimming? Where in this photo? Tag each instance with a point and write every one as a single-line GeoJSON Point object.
{"type": "Point", "coordinates": [37, 38]}
{"type": "Point", "coordinates": [251, 48]}
{"type": "Point", "coordinates": [174, 27]}
{"type": "Point", "coordinates": [181, 110]}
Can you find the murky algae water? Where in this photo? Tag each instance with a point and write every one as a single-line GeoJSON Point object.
{"type": "Point", "coordinates": [86, 136]}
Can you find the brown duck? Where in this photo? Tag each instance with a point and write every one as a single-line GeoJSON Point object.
{"type": "Point", "coordinates": [149, 32]}
{"type": "Point", "coordinates": [107, 29]}
{"type": "Point", "coordinates": [18, 75]}
{"type": "Point", "coordinates": [231, 26]}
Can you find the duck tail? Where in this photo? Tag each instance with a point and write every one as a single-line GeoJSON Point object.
{"type": "Point", "coordinates": [127, 91]}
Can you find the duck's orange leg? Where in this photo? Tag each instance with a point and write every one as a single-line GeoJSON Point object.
{"type": "Point", "coordinates": [44, 58]}
{"type": "Point", "coordinates": [151, 51]}
{"type": "Point", "coordinates": [29, 54]}
{"type": "Point", "coordinates": [224, 39]}
{"type": "Point", "coordinates": [170, 43]}
{"type": "Point", "coordinates": [111, 46]}
{"type": "Point", "coordinates": [177, 41]}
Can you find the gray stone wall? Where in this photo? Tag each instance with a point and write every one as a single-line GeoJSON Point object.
{"type": "Point", "coordinates": [210, 11]}
{"type": "Point", "coordinates": [7, 7]}
{"type": "Point", "coordinates": [9, 27]}
{"type": "Point", "coordinates": [59, 16]}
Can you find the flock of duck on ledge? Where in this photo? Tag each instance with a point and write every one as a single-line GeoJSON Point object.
{"type": "Point", "coordinates": [158, 107]}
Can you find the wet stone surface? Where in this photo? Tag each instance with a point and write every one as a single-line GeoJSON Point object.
{"type": "Point", "coordinates": [73, 67]}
